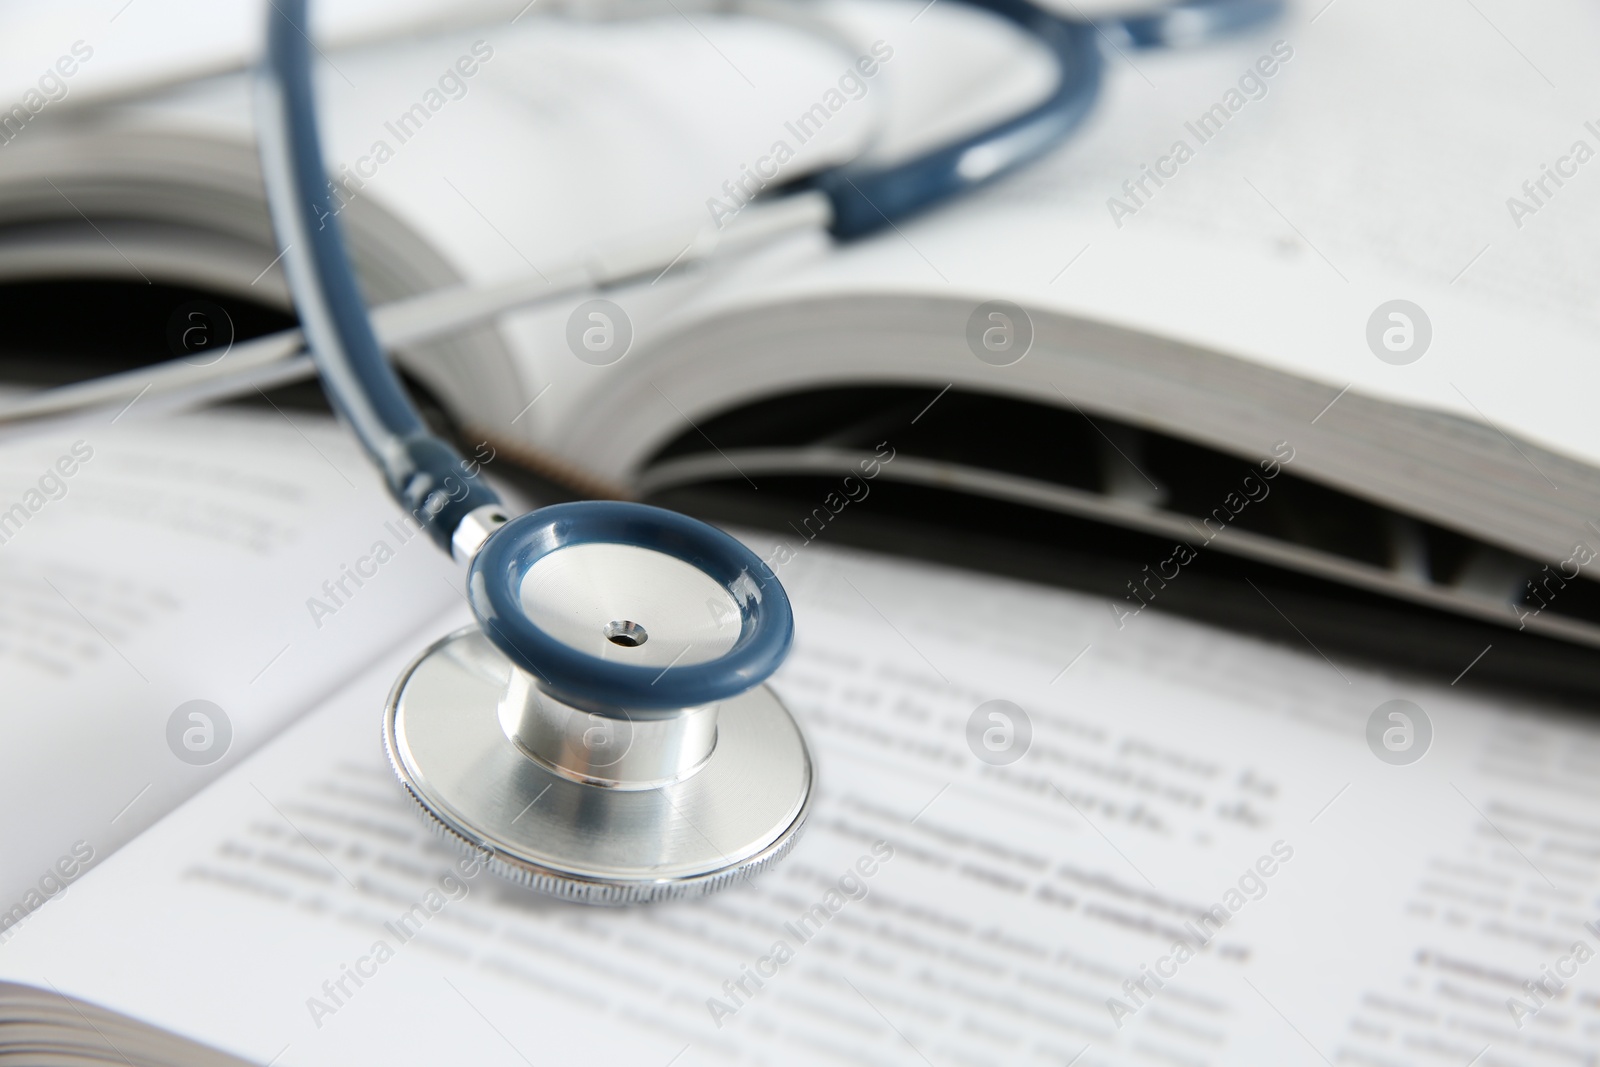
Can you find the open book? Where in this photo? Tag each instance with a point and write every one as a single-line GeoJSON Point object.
{"type": "Point", "coordinates": [1039, 838]}
{"type": "Point", "coordinates": [1224, 268]}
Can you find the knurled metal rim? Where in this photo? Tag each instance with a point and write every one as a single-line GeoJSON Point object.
{"type": "Point", "coordinates": [601, 894]}
{"type": "Point", "coordinates": [564, 885]}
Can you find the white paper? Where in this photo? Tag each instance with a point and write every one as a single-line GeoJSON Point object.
{"type": "Point", "coordinates": [178, 561]}
{"type": "Point", "coordinates": [1167, 760]}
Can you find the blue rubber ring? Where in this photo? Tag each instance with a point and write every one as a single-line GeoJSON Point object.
{"type": "Point", "coordinates": [494, 586]}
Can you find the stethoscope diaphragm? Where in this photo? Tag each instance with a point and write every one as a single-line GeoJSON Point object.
{"type": "Point", "coordinates": [616, 744]}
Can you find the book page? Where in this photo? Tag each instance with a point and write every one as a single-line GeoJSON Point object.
{"type": "Point", "coordinates": [1171, 845]}
{"type": "Point", "coordinates": [1401, 152]}
{"type": "Point", "coordinates": [125, 50]}
{"type": "Point", "coordinates": [171, 595]}
{"type": "Point", "coordinates": [530, 150]}
{"type": "Point", "coordinates": [522, 149]}
{"type": "Point", "coordinates": [1389, 152]}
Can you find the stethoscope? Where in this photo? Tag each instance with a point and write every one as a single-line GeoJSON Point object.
{"type": "Point", "coordinates": [605, 733]}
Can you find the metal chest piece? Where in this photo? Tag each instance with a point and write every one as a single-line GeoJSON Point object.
{"type": "Point", "coordinates": [604, 736]}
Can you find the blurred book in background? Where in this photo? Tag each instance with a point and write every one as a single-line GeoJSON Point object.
{"type": "Point", "coordinates": [1174, 332]}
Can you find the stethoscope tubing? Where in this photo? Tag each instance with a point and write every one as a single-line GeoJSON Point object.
{"type": "Point", "coordinates": [860, 199]}
{"type": "Point", "coordinates": [866, 198]}
{"type": "Point", "coordinates": [424, 473]}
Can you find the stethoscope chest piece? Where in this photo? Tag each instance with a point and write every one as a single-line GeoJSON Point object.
{"type": "Point", "coordinates": [604, 736]}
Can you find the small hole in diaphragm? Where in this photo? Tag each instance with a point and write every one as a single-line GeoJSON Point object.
{"type": "Point", "coordinates": [625, 633]}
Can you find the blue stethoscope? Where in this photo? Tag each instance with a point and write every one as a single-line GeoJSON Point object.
{"type": "Point", "coordinates": [604, 734]}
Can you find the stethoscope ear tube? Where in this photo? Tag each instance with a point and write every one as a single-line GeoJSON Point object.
{"type": "Point", "coordinates": [867, 198]}
{"type": "Point", "coordinates": [424, 473]}
{"type": "Point", "coordinates": [1195, 22]}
